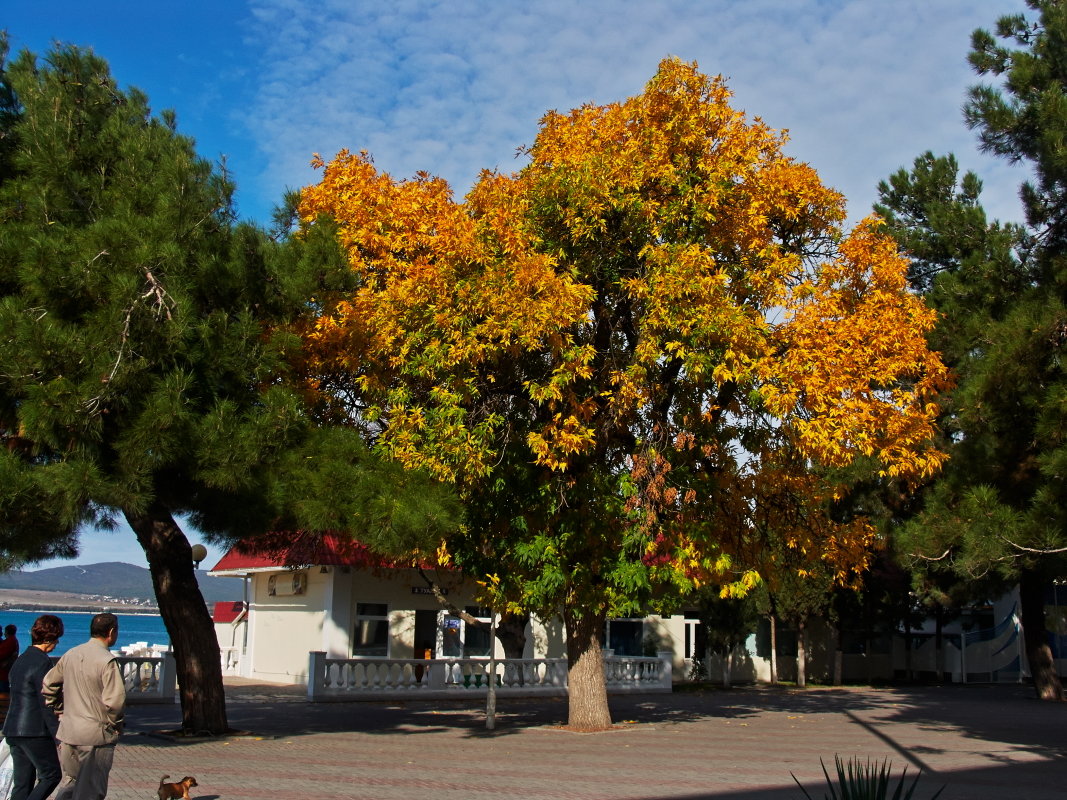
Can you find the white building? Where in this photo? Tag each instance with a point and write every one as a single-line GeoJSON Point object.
{"type": "Point", "coordinates": [305, 594]}
{"type": "Point", "coordinates": [324, 594]}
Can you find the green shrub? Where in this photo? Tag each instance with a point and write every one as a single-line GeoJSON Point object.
{"type": "Point", "coordinates": [859, 781]}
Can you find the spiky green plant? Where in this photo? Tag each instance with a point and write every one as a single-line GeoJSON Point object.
{"type": "Point", "coordinates": [866, 781]}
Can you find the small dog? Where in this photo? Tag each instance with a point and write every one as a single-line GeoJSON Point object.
{"type": "Point", "coordinates": [172, 791]}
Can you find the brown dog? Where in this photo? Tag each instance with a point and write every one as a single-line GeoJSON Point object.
{"type": "Point", "coordinates": [172, 791]}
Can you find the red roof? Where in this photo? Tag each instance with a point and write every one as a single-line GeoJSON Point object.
{"type": "Point", "coordinates": [228, 611]}
{"type": "Point", "coordinates": [299, 549]}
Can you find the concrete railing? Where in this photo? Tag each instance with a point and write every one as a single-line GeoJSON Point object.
{"type": "Point", "coordinates": [149, 679]}
{"type": "Point", "coordinates": [231, 660]}
{"type": "Point", "coordinates": [392, 678]}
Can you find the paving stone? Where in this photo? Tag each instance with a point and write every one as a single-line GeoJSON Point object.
{"type": "Point", "coordinates": [982, 742]}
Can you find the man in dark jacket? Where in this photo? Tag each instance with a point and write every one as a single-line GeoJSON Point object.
{"type": "Point", "coordinates": [30, 727]}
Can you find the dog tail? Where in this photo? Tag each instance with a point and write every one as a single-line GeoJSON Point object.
{"type": "Point", "coordinates": [163, 779]}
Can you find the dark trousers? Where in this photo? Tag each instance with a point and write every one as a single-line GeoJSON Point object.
{"type": "Point", "coordinates": [33, 760]}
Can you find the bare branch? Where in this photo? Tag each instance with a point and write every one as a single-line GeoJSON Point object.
{"type": "Point", "coordinates": [929, 558]}
{"type": "Point", "coordinates": [448, 604]}
{"type": "Point", "coordinates": [159, 300]}
{"type": "Point", "coordinates": [1032, 549]}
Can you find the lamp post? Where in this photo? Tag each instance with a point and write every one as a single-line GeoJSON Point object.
{"type": "Point", "coordinates": [199, 553]}
{"type": "Point", "coordinates": [490, 698]}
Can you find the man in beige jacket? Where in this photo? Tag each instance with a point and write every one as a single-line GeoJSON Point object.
{"type": "Point", "coordinates": [86, 690]}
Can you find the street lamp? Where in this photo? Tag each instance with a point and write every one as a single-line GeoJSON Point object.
{"type": "Point", "coordinates": [199, 553]}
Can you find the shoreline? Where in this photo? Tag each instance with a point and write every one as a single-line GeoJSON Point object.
{"type": "Point", "coordinates": [29, 608]}
{"type": "Point", "coordinates": [41, 601]}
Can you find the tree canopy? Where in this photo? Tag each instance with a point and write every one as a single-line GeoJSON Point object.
{"type": "Point", "coordinates": [628, 356]}
{"type": "Point", "coordinates": [143, 346]}
{"type": "Point", "coordinates": [1000, 508]}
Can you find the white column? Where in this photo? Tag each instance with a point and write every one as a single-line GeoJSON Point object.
{"type": "Point", "coordinates": [337, 614]}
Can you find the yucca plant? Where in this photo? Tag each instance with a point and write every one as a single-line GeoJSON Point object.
{"type": "Point", "coordinates": [859, 781]}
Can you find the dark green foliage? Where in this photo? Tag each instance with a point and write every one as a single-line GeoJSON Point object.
{"type": "Point", "coordinates": [1027, 121]}
{"type": "Point", "coordinates": [134, 361]}
{"type": "Point", "coordinates": [728, 620]}
{"type": "Point", "coordinates": [145, 332]}
{"type": "Point", "coordinates": [144, 346]}
{"type": "Point", "coordinates": [857, 780]}
{"type": "Point", "coordinates": [999, 511]}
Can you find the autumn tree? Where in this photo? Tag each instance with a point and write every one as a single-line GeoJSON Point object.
{"type": "Point", "coordinates": [615, 350]}
{"type": "Point", "coordinates": [142, 347]}
{"type": "Point", "coordinates": [999, 512]}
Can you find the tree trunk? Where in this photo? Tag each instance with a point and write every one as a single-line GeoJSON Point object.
{"type": "Point", "coordinates": [909, 671]}
{"type": "Point", "coordinates": [587, 690]}
{"type": "Point", "coordinates": [1035, 637]}
{"type": "Point", "coordinates": [511, 633]}
{"type": "Point", "coordinates": [726, 659]}
{"type": "Point", "coordinates": [868, 639]}
{"type": "Point", "coordinates": [839, 656]}
{"type": "Point", "coordinates": [774, 650]}
{"type": "Point", "coordinates": [802, 654]}
{"type": "Point", "coordinates": [186, 617]}
{"type": "Point", "coordinates": [939, 644]}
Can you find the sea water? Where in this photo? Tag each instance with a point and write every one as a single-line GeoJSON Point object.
{"type": "Point", "coordinates": [132, 628]}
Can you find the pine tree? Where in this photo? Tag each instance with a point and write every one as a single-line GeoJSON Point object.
{"type": "Point", "coordinates": [144, 342]}
{"type": "Point", "coordinates": [999, 510]}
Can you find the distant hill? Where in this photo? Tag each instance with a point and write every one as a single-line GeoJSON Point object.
{"type": "Point", "coordinates": [114, 579]}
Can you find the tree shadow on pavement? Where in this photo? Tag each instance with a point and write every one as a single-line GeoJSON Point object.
{"type": "Point", "coordinates": [994, 714]}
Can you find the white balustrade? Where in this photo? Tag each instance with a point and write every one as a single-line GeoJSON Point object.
{"type": "Point", "coordinates": [231, 660]}
{"type": "Point", "coordinates": [149, 679]}
{"type": "Point", "coordinates": [389, 678]}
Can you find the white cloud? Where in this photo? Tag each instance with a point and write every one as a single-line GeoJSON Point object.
{"type": "Point", "coordinates": [452, 87]}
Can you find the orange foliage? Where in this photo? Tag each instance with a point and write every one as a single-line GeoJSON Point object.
{"type": "Point", "coordinates": [659, 291]}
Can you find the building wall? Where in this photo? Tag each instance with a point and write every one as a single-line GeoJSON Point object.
{"type": "Point", "coordinates": [284, 629]}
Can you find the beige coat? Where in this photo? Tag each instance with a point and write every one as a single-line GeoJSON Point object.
{"type": "Point", "coordinates": [86, 689]}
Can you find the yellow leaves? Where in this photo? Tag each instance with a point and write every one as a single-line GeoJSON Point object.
{"type": "Point", "coordinates": [740, 588]}
{"type": "Point", "coordinates": [559, 440]}
{"type": "Point", "coordinates": [851, 372]}
{"type": "Point", "coordinates": [443, 556]}
{"type": "Point", "coordinates": [638, 297]}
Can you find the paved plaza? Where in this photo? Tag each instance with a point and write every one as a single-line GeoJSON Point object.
{"type": "Point", "coordinates": [982, 742]}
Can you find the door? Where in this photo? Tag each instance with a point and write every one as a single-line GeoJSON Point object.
{"type": "Point", "coordinates": [425, 634]}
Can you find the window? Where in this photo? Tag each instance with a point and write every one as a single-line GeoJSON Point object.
{"type": "Point", "coordinates": [461, 640]}
{"type": "Point", "coordinates": [476, 638]}
{"type": "Point", "coordinates": [451, 636]}
{"type": "Point", "coordinates": [625, 637]}
{"type": "Point", "coordinates": [696, 637]}
{"type": "Point", "coordinates": [372, 630]}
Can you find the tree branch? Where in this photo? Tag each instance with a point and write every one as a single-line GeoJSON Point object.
{"type": "Point", "coordinates": [1032, 549]}
{"type": "Point", "coordinates": [928, 558]}
{"type": "Point", "coordinates": [451, 607]}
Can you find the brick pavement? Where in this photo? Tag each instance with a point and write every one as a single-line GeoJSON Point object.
{"type": "Point", "coordinates": [984, 743]}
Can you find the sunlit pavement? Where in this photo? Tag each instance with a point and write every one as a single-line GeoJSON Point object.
{"type": "Point", "coordinates": [982, 742]}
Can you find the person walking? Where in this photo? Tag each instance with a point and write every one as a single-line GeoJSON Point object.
{"type": "Point", "coordinates": [30, 727]}
{"type": "Point", "coordinates": [87, 692]}
{"type": "Point", "coordinates": [9, 651]}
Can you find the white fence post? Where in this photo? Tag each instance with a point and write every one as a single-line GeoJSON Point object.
{"type": "Point", "coordinates": [316, 673]}
{"type": "Point", "coordinates": [437, 672]}
{"type": "Point", "coordinates": [168, 677]}
{"type": "Point", "coordinates": [666, 676]}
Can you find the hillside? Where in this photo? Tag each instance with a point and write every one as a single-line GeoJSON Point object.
{"type": "Point", "coordinates": [109, 579]}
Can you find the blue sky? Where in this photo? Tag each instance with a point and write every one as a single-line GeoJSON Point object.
{"type": "Point", "coordinates": [454, 86]}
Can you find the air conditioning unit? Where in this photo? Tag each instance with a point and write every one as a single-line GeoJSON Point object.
{"type": "Point", "coordinates": [287, 584]}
